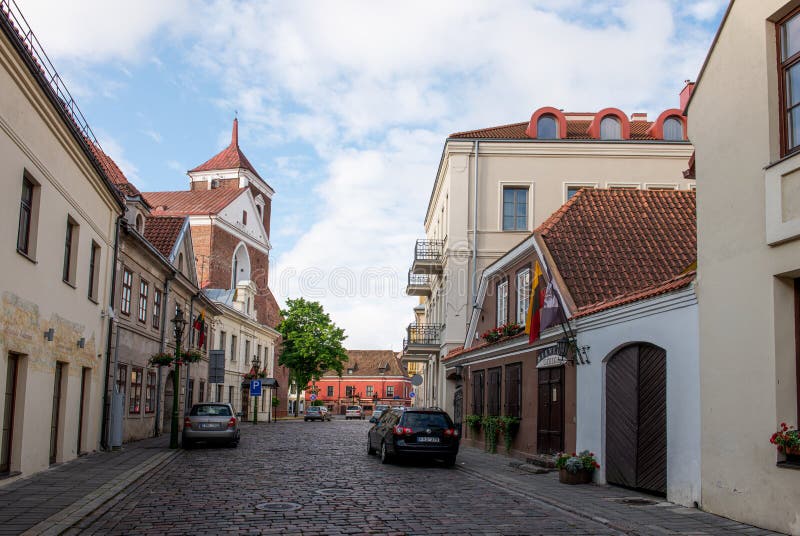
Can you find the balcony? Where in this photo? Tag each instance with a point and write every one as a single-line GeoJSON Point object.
{"type": "Point", "coordinates": [422, 340]}
{"type": "Point", "coordinates": [428, 257]}
{"type": "Point", "coordinates": [418, 284]}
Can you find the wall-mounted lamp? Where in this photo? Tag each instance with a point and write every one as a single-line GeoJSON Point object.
{"type": "Point", "coordinates": [49, 334]}
{"type": "Point", "coordinates": [82, 342]}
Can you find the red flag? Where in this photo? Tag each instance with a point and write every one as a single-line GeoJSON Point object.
{"type": "Point", "coordinates": [200, 325]}
{"type": "Point", "coordinates": [533, 319]}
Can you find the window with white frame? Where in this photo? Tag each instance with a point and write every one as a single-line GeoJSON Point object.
{"type": "Point", "coordinates": [502, 303]}
{"type": "Point", "coordinates": [523, 294]}
{"type": "Point", "coordinates": [515, 208]}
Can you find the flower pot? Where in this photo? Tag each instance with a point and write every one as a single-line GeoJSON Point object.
{"type": "Point", "coordinates": [581, 477]}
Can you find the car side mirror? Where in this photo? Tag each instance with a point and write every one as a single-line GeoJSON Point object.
{"type": "Point", "coordinates": [373, 420]}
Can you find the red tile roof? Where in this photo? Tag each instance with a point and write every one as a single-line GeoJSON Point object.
{"type": "Point", "coordinates": [163, 231]}
{"type": "Point", "coordinates": [368, 363]}
{"type": "Point", "coordinates": [114, 173]}
{"type": "Point", "coordinates": [577, 129]}
{"type": "Point", "coordinates": [231, 157]}
{"type": "Point", "coordinates": [676, 283]}
{"type": "Point", "coordinates": [610, 244]}
{"type": "Point", "coordinates": [193, 201]}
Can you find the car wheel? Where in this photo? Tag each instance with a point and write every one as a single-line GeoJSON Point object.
{"type": "Point", "coordinates": [370, 450]}
{"type": "Point", "coordinates": [385, 458]}
{"type": "Point", "coordinates": [449, 461]}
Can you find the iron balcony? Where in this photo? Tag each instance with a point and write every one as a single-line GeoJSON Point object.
{"type": "Point", "coordinates": [418, 284]}
{"type": "Point", "coordinates": [422, 339]}
{"type": "Point", "coordinates": [428, 257]}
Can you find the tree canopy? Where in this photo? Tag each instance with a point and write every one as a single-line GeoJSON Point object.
{"type": "Point", "coordinates": [312, 344]}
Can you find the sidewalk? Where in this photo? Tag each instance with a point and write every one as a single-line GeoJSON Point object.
{"type": "Point", "coordinates": [50, 501]}
{"type": "Point", "coordinates": [652, 515]}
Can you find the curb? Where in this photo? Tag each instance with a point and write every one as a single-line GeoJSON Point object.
{"type": "Point", "coordinates": [508, 486]}
{"type": "Point", "coordinates": [74, 513]}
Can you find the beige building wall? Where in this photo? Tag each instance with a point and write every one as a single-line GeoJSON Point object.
{"type": "Point", "coordinates": [746, 309]}
{"type": "Point", "coordinates": [34, 140]}
{"type": "Point", "coordinates": [547, 169]}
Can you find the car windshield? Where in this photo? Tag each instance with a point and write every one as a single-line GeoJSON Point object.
{"type": "Point", "coordinates": [210, 411]}
{"type": "Point", "coordinates": [426, 420]}
{"type": "Point", "coordinates": [380, 408]}
{"type": "Point", "coordinates": [313, 409]}
{"type": "Point", "coordinates": [353, 408]}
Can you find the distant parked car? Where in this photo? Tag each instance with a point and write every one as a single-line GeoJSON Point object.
{"type": "Point", "coordinates": [414, 432]}
{"type": "Point", "coordinates": [376, 413]}
{"type": "Point", "coordinates": [317, 413]}
{"type": "Point", "coordinates": [211, 422]}
{"type": "Point", "coordinates": [354, 412]}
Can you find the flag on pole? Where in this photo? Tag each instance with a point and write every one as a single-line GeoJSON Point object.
{"type": "Point", "coordinates": [549, 314]}
{"type": "Point", "coordinates": [200, 325]}
{"type": "Point", "coordinates": [533, 319]}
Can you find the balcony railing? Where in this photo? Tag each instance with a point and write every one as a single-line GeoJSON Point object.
{"type": "Point", "coordinates": [428, 257]}
{"type": "Point", "coordinates": [422, 339]}
{"type": "Point", "coordinates": [418, 284]}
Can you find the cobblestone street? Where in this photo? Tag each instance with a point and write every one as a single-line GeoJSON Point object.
{"type": "Point", "coordinates": [321, 474]}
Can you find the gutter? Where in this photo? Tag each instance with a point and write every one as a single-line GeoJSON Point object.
{"type": "Point", "coordinates": [475, 230]}
{"type": "Point", "coordinates": [104, 422]}
{"type": "Point", "coordinates": [162, 347]}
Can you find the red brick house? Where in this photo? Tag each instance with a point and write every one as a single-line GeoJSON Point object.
{"type": "Point", "coordinates": [229, 206]}
{"type": "Point", "coordinates": [370, 377]}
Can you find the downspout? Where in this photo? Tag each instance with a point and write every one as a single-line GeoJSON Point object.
{"type": "Point", "coordinates": [191, 345]}
{"type": "Point", "coordinates": [161, 347]}
{"type": "Point", "coordinates": [475, 230]}
{"type": "Point", "coordinates": [104, 423]}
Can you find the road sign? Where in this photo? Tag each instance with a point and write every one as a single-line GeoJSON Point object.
{"type": "Point", "coordinates": [313, 397]}
{"type": "Point", "coordinates": [255, 387]}
{"type": "Point", "coordinates": [412, 394]}
{"type": "Point", "coordinates": [216, 366]}
{"type": "Point", "coordinates": [416, 380]}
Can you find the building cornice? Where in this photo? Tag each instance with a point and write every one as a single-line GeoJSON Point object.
{"type": "Point", "coordinates": [211, 219]}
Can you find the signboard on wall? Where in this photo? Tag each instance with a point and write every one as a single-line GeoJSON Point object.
{"type": "Point", "coordinates": [216, 366]}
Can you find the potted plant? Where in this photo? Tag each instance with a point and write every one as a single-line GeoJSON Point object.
{"type": "Point", "coordinates": [492, 335]}
{"type": "Point", "coordinates": [191, 356]}
{"type": "Point", "coordinates": [161, 359]}
{"type": "Point", "coordinates": [509, 427]}
{"type": "Point", "coordinates": [576, 468]}
{"type": "Point", "coordinates": [787, 440]}
{"type": "Point", "coordinates": [474, 422]}
{"type": "Point", "coordinates": [491, 429]}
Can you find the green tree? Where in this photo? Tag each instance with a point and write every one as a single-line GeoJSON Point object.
{"type": "Point", "coordinates": [312, 344]}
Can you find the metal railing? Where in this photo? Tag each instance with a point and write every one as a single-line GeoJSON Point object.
{"type": "Point", "coordinates": [418, 280]}
{"type": "Point", "coordinates": [428, 250]}
{"type": "Point", "coordinates": [423, 335]}
{"type": "Point", "coordinates": [12, 18]}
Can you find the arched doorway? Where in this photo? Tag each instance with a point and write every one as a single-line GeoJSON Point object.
{"type": "Point", "coordinates": [168, 395]}
{"type": "Point", "coordinates": [636, 418]}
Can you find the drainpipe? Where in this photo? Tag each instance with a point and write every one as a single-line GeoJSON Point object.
{"type": "Point", "coordinates": [475, 231]}
{"type": "Point", "coordinates": [104, 424]}
{"type": "Point", "coordinates": [161, 347]}
{"type": "Point", "coordinates": [191, 345]}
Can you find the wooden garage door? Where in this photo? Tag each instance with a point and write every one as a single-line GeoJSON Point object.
{"type": "Point", "coordinates": [550, 415]}
{"type": "Point", "coordinates": [636, 418]}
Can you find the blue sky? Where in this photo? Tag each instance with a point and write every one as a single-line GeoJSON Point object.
{"type": "Point", "coordinates": [344, 106]}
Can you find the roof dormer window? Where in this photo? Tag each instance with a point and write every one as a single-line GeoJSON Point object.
{"type": "Point", "coordinates": [547, 128]}
{"type": "Point", "coordinates": [244, 217]}
{"type": "Point", "coordinates": [139, 224]}
{"type": "Point", "coordinates": [673, 129]}
{"type": "Point", "coordinates": [610, 128]}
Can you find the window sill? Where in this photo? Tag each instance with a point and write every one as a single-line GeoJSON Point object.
{"type": "Point", "coordinates": [788, 465]}
{"type": "Point", "coordinates": [34, 261]}
{"type": "Point", "coordinates": [70, 284]}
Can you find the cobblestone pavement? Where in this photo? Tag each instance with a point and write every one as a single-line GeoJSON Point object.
{"type": "Point", "coordinates": [322, 473]}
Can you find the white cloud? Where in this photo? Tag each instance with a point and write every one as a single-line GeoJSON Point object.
{"type": "Point", "coordinates": [153, 135]}
{"type": "Point", "coordinates": [705, 10]}
{"type": "Point", "coordinates": [117, 153]}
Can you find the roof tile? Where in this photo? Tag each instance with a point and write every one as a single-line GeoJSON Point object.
{"type": "Point", "coordinates": [231, 157]}
{"type": "Point", "coordinates": [367, 363]}
{"type": "Point", "coordinates": [163, 231]}
{"type": "Point", "coordinates": [577, 129]}
{"type": "Point", "coordinates": [192, 202]}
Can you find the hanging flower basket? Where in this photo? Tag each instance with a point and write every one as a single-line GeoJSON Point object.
{"type": "Point", "coordinates": [191, 356]}
{"type": "Point", "coordinates": [505, 331]}
{"type": "Point", "coordinates": [161, 360]}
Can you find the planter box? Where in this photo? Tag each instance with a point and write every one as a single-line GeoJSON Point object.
{"type": "Point", "coordinates": [581, 477]}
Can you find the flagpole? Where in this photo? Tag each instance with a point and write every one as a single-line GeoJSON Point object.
{"type": "Point", "coordinates": [569, 334]}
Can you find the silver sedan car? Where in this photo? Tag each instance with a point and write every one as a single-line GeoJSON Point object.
{"type": "Point", "coordinates": [212, 422]}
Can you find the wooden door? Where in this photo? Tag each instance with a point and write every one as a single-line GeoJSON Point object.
{"type": "Point", "coordinates": [54, 431]}
{"type": "Point", "coordinates": [636, 418]}
{"type": "Point", "coordinates": [9, 405]}
{"type": "Point", "coordinates": [458, 409]}
{"type": "Point", "coordinates": [245, 402]}
{"type": "Point", "coordinates": [550, 414]}
{"type": "Point", "coordinates": [82, 405]}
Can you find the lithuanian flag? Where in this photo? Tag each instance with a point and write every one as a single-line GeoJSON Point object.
{"type": "Point", "coordinates": [200, 325]}
{"type": "Point", "coordinates": [533, 319]}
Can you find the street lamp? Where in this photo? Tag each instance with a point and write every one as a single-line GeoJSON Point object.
{"type": "Point", "coordinates": [180, 323]}
{"type": "Point", "coordinates": [256, 362]}
{"type": "Point", "coordinates": [382, 372]}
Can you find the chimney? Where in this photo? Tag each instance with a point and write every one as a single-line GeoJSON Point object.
{"type": "Point", "coordinates": [235, 133]}
{"type": "Point", "coordinates": [686, 93]}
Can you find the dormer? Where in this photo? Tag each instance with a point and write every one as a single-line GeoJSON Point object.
{"type": "Point", "coordinates": [670, 126]}
{"type": "Point", "coordinates": [547, 123]}
{"type": "Point", "coordinates": [610, 124]}
{"type": "Point", "coordinates": [244, 298]}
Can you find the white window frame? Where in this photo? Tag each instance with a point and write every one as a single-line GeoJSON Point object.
{"type": "Point", "coordinates": [501, 186]}
{"type": "Point", "coordinates": [523, 294]}
{"type": "Point", "coordinates": [623, 185]}
{"type": "Point", "coordinates": [579, 184]}
{"type": "Point", "coordinates": [660, 186]}
{"type": "Point", "coordinates": [502, 303]}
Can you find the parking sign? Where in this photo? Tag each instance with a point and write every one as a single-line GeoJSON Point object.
{"type": "Point", "coordinates": [255, 387]}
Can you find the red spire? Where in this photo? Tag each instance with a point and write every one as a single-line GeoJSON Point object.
{"type": "Point", "coordinates": [235, 133]}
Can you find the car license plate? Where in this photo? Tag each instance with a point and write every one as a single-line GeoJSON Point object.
{"type": "Point", "coordinates": [208, 425]}
{"type": "Point", "coordinates": [427, 439]}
